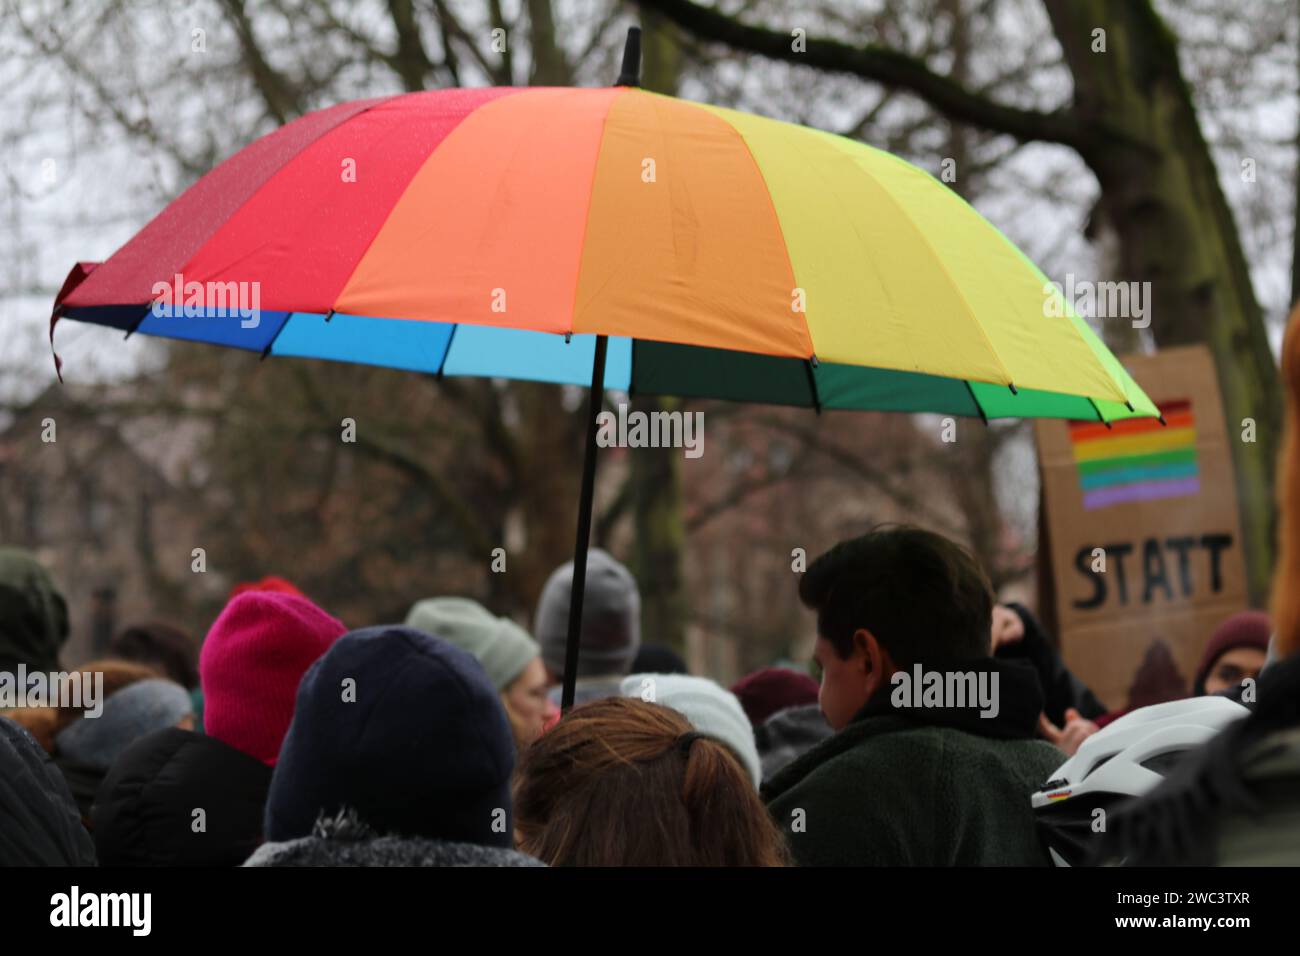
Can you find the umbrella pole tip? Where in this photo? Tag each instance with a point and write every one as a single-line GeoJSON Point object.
{"type": "Point", "coordinates": [630, 75]}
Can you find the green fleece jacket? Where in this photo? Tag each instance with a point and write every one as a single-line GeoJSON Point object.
{"type": "Point", "coordinates": [921, 787]}
{"type": "Point", "coordinates": [1270, 835]}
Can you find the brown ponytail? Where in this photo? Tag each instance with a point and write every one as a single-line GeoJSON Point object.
{"type": "Point", "coordinates": [621, 782]}
{"type": "Point", "coordinates": [1286, 575]}
{"type": "Point", "coordinates": [45, 723]}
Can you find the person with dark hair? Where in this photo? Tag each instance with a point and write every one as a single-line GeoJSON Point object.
{"type": "Point", "coordinates": [167, 649]}
{"type": "Point", "coordinates": [935, 755]}
{"type": "Point", "coordinates": [624, 782]}
{"type": "Point", "coordinates": [658, 659]}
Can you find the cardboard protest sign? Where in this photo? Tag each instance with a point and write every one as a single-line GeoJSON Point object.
{"type": "Point", "coordinates": [1145, 544]}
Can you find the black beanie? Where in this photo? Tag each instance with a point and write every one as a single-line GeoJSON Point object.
{"type": "Point", "coordinates": [405, 729]}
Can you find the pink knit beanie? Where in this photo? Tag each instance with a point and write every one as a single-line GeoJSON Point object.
{"type": "Point", "coordinates": [250, 665]}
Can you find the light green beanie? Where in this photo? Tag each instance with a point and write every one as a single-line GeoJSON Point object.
{"type": "Point", "coordinates": [499, 644]}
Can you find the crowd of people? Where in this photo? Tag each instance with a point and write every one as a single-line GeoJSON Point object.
{"type": "Point", "coordinates": [944, 729]}
{"type": "Point", "coordinates": [285, 739]}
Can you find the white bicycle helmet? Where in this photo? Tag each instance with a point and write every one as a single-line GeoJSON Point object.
{"type": "Point", "coordinates": [1123, 760]}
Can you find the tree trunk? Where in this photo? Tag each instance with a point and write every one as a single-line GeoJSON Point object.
{"type": "Point", "coordinates": [660, 529]}
{"type": "Point", "coordinates": [550, 448]}
{"type": "Point", "coordinates": [1161, 192]}
{"type": "Point", "coordinates": [971, 470]}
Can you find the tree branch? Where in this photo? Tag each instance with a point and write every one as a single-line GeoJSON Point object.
{"type": "Point", "coordinates": [864, 469]}
{"type": "Point", "coordinates": [283, 102]}
{"type": "Point", "coordinates": [474, 535]}
{"type": "Point", "coordinates": [606, 520]}
{"type": "Point", "coordinates": [410, 59]}
{"type": "Point", "coordinates": [737, 494]}
{"type": "Point", "coordinates": [454, 29]}
{"type": "Point", "coordinates": [881, 65]}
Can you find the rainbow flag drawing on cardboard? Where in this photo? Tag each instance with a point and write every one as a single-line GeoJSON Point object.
{"type": "Point", "coordinates": [1137, 460]}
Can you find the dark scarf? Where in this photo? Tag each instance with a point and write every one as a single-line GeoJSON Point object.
{"type": "Point", "coordinates": [1019, 698]}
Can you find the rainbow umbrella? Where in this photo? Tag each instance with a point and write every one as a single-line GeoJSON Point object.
{"type": "Point", "coordinates": [610, 237]}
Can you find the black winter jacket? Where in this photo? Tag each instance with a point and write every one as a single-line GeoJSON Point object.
{"type": "Point", "coordinates": [177, 798]}
{"type": "Point", "coordinates": [39, 823]}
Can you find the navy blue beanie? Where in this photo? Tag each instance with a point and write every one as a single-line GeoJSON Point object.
{"type": "Point", "coordinates": [405, 729]}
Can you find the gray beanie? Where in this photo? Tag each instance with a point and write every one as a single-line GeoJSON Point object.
{"type": "Point", "coordinates": [611, 618]}
{"type": "Point", "coordinates": [498, 643]}
{"type": "Point", "coordinates": [135, 710]}
{"type": "Point", "coordinates": [711, 709]}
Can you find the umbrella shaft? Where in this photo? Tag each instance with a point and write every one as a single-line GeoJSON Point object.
{"type": "Point", "coordinates": [594, 399]}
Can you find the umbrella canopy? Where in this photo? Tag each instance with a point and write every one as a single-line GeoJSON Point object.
{"type": "Point", "coordinates": [655, 245]}
{"type": "Point", "coordinates": [497, 232]}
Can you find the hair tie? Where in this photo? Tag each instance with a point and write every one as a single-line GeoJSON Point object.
{"type": "Point", "coordinates": [685, 740]}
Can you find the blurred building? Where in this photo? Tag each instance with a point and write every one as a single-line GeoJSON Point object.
{"type": "Point", "coordinates": [103, 506]}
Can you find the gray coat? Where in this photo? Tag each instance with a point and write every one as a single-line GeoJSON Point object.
{"type": "Point", "coordinates": [346, 841]}
{"type": "Point", "coordinates": [787, 734]}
